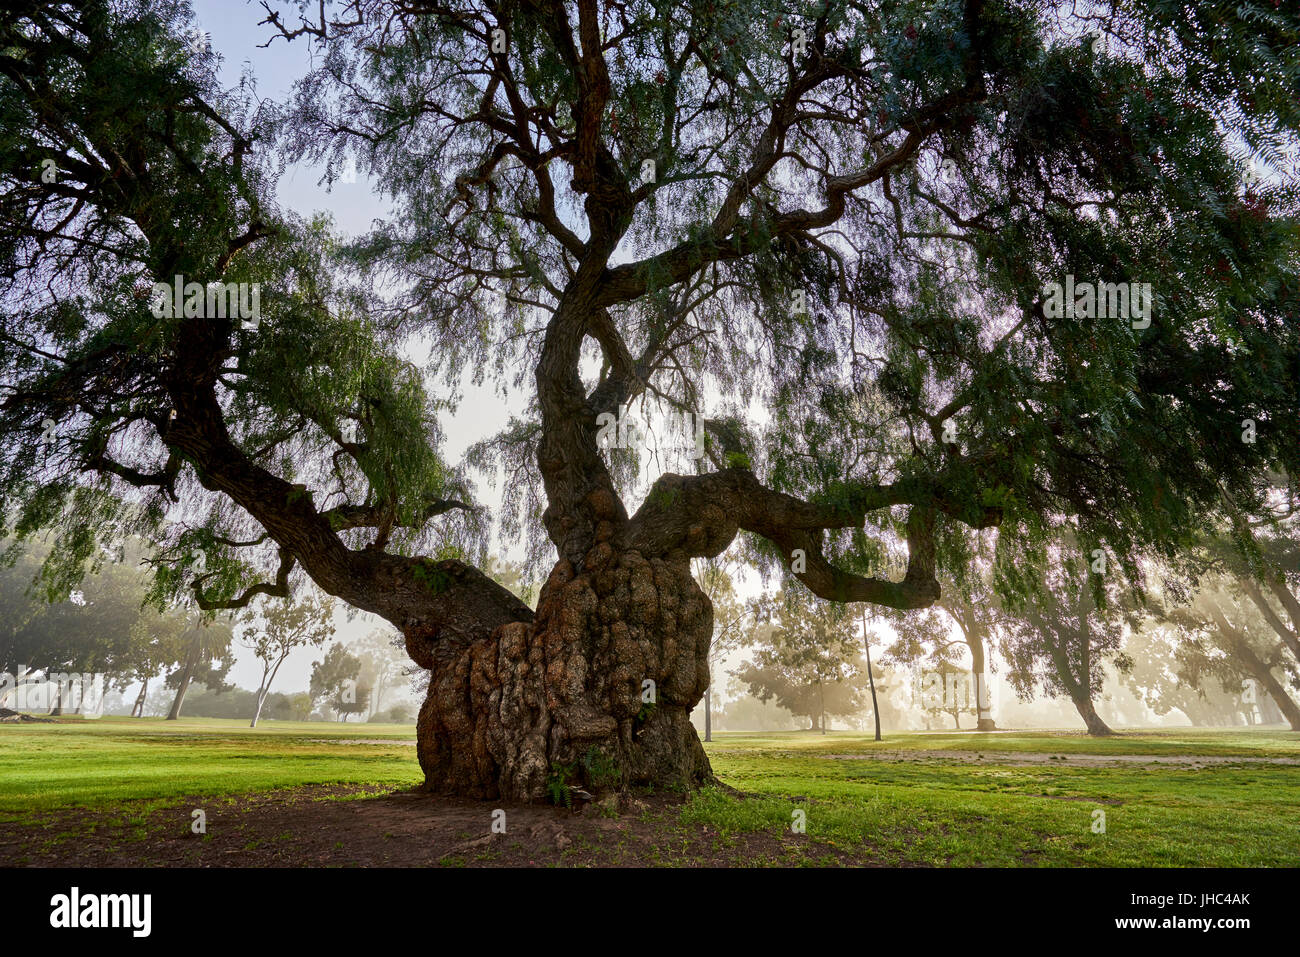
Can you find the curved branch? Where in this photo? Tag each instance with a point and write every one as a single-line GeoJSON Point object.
{"type": "Point", "coordinates": [278, 590]}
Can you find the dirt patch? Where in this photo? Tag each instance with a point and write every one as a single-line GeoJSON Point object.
{"type": "Point", "coordinates": [1061, 760]}
{"type": "Point", "coordinates": [351, 826]}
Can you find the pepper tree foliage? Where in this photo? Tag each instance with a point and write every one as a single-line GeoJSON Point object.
{"type": "Point", "coordinates": [527, 246]}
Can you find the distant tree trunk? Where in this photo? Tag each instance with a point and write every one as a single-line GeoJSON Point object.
{"type": "Point", "coordinates": [871, 678]}
{"type": "Point", "coordinates": [191, 662]}
{"type": "Point", "coordinates": [708, 710]}
{"type": "Point", "coordinates": [973, 631]}
{"type": "Point", "coordinates": [821, 688]}
{"type": "Point", "coordinates": [264, 689]}
{"type": "Point", "coordinates": [377, 694]}
{"type": "Point", "coordinates": [57, 709]}
{"type": "Point", "coordinates": [984, 714]}
{"type": "Point", "coordinates": [261, 698]}
{"type": "Point", "coordinates": [1270, 712]}
{"type": "Point", "coordinates": [137, 710]}
{"type": "Point", "coordinates": [1083, 704]}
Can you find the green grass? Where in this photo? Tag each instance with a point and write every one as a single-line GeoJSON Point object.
{"type": "Point", "coordinates": [933, 809]}
{"type": "Point", "coordinates": [103, 763]}
{"type": "Point", "coordinates": [939, 811]}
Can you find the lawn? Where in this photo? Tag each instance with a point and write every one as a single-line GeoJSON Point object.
{"type": "Point", "coordinates": [937, 809]}
{"type": "Point", "coordinates": [111, 761]}
{"type": "Point", "coordinates": [1170, 797]}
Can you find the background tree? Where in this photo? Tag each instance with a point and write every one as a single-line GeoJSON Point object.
{"type": "Point", "coordinates": [300, 706]}
{"type": "Point", "coordinates": [1250, 656]}
{"type": "Point", "coordinates": [205, 655]}
{"type": "Point", "coordinates": [1169, 674]}
{"type": "Point", "coordinates": [399, 713]}
{"type": "Point", "coordinates": [334, 680]}
{"type": "Point", "coordinates": [155, 645]}
{"type": "Point", "coordinates": [965, 615]}
{"type": "Point", "coordinates": [383, 664]}
{"type": "Point", "coordinates": [1224, 606]}
{"type": "Point", "coordinates": [729, 619]}
{"type": "Point", "coordinates": [806, 656]}
{"type": "Point", "coordinates": [273, 631]}
{"type": "Point", "coordinates": [1062, 638]}
{"type": "Point", "coordinates": [675, 204]}
{"type": "Point", "coordinates": [105, 627]}
{"type": "Point", "coordinates": [945, 688]}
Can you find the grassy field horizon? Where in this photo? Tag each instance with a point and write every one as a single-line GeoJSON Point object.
{"type": "Point", "coordinates": [1166, 797]}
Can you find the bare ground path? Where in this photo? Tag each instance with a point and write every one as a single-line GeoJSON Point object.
{"type": "Point", "coordinates": [350, 826]}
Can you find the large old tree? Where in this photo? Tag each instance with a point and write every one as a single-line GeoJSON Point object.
{"type": "Point", "coordinates": [825, 228]}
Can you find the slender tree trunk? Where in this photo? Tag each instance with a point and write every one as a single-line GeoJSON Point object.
{"type": "Point", "coordinates": [983, 713]}
{"type": "Point", "coordinates": [871, 678]}
{"type": "Point", "coordinates": [57, 708]}
{"type": "Point", "coordinates": [261, 698]}
{"type": "Point", "coordinates": [708, 710]}
{"type": "Point", "coordinates": [137, 710]}
{"type": "Point", "coordinates": [821, 688]}
{"type": "Point", "coordinates": [191, 662]}
{"type": "Point", "coordinates": [264, 691]}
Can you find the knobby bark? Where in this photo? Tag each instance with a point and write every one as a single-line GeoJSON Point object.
{"type": "Point", "coordinates": [562, 701]}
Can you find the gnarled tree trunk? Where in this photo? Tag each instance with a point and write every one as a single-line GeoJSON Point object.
{"type": "Point", "coordinates": [596, 692]}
